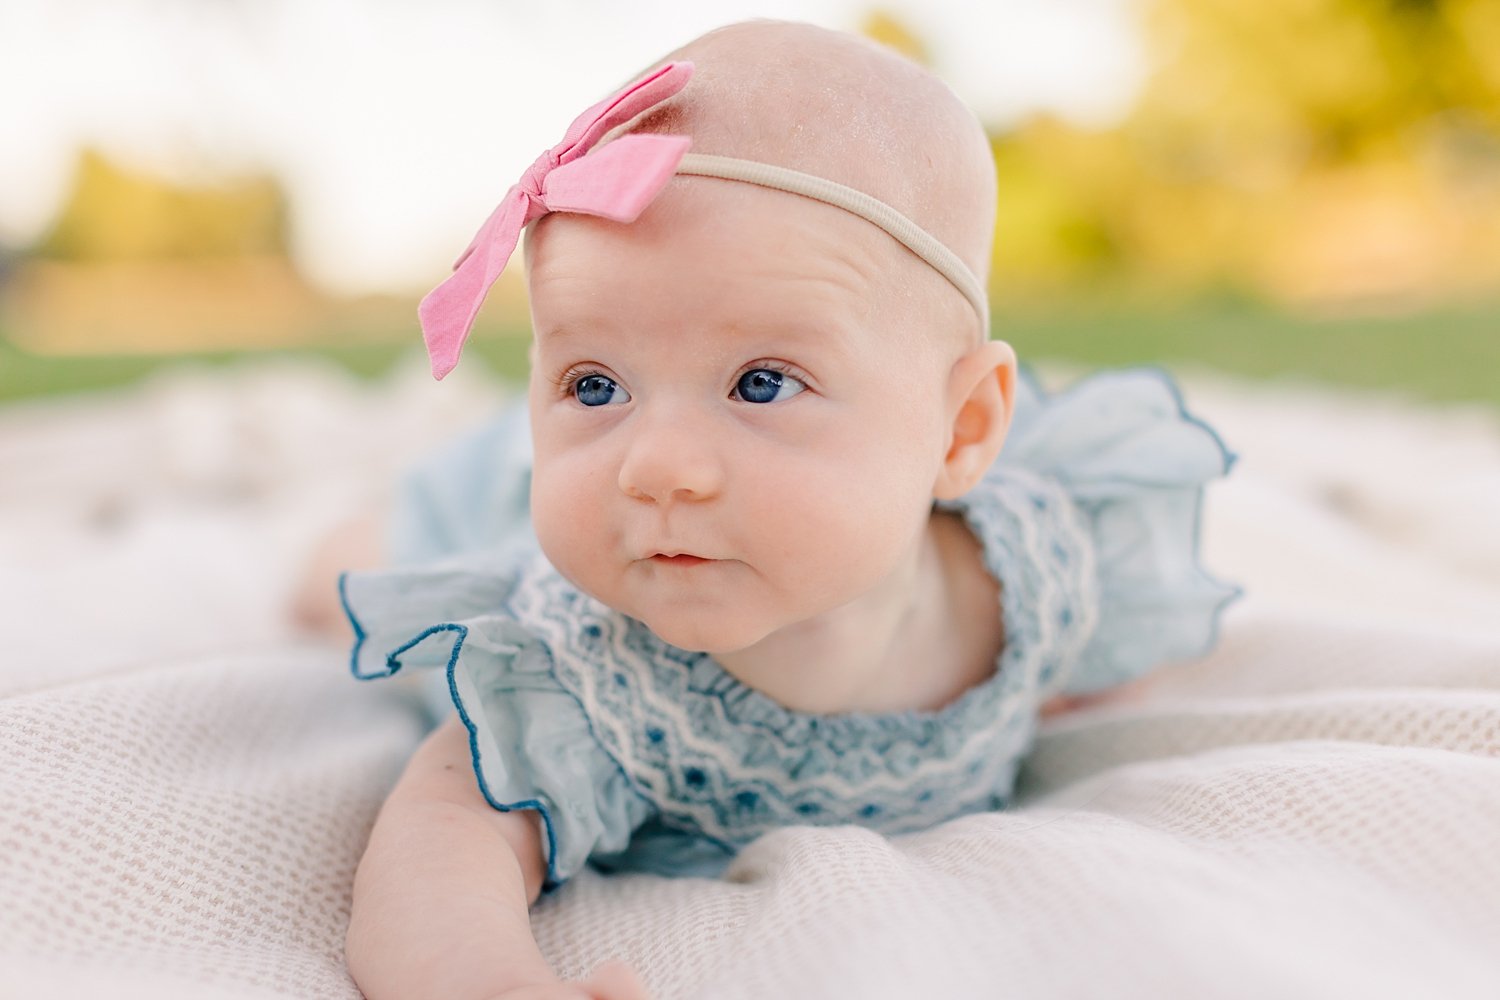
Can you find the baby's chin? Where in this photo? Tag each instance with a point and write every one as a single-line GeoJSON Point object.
{"type": "Point", "coordinates": [713, 635]}
{"type": "Point", "coordinates": [703, 628]}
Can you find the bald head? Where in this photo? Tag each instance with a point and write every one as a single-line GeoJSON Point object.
{"type": "Point", "coordinates": [843, 108]}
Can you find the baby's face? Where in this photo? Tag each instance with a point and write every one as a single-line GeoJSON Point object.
{"type": "Point", "coordinates": [736, 428]}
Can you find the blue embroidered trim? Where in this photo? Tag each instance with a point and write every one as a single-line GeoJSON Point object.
{"type": "Point", "coordinates": [552, 880]}
{"type": "Point", "coordinates": [632, 780]}
{"type": "Point", "coordinates": [359, 631]}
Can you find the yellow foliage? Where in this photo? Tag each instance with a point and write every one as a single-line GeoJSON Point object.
{"type": "Point", "coordinates": [1308, 149]}
{"type": "Point", "coordinates": [884, 27]}
{"type": "Point", "coordinates": [113, 214]}
{"type": "Point", "coordinates": [1476, 27]}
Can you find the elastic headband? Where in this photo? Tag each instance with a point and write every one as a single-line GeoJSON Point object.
{"type": "Point", "coordinates": [617, 183]}
{"type": "Point", "coordinates": [916, 239]}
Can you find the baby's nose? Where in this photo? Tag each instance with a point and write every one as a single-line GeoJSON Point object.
{"type": "Point", "coordinates": [670, 456]}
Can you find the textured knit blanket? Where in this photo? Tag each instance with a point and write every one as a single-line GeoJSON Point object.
{"type": "Point", "coordinates": [1311, 811]}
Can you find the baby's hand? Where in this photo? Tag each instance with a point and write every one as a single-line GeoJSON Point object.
{"type": "Point", "coordinates": [610, 981]}
{"type": "Point", "coordinates": [614, 980]}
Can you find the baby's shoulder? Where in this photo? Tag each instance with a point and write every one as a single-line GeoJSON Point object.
{"type": "Point", "coordinates": [1090, 516]}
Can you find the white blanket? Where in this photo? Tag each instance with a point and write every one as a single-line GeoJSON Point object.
{"type": "Point", "coordinates": [1311, 811]}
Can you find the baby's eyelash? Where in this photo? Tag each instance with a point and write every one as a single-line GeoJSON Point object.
{"type": "Point", "coordinates": [564, 382]}
{"type": "Point", "coordinates": [780, 367]}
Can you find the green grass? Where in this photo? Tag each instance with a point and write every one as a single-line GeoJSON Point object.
{"type": "Point", "coordinates": [1451, 355]}
{"type": "Point", "coordinates": [25, 375]}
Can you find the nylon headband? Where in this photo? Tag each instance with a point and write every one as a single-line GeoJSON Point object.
{"type": "Point", "coordinates": [873, 210]}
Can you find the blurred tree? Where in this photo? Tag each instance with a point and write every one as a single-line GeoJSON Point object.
{"type": "Point", "coordinates": [889, 30]}
{"type": "Point", "coordinates": [1320, 82]}
{"type": "Point", "coordinates": [113, 214]}
{"type": "Point", "coordinates": [1313, 150]}
{"type": "Point", "coordinates": [136, 262]}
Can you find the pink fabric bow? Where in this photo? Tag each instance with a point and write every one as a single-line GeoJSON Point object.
{"type": "Point", "coordinates": [618, 182]}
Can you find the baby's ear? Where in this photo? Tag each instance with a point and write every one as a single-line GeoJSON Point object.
{"type": "Point", "coordinates": [981, 398]}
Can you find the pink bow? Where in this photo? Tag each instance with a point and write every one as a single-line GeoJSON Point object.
{"type": "Point", "coordinates": [618, 182]}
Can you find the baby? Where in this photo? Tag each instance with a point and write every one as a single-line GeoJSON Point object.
{"type": "Point", "coordinates": [749, 559]}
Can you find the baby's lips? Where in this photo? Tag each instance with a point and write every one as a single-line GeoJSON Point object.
{"type": "Point", "coordinates": [680, 559]}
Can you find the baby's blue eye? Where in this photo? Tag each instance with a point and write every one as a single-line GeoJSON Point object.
{"type": "Point", "coordinates": [765, 385]}
{"type": "Point", "coordinates": [597, 390]}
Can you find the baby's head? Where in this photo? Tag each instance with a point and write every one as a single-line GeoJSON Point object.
{"type": "Point", "coordinates": [745, 401]}
{"type": "Point", "coordinates": [842, 108]}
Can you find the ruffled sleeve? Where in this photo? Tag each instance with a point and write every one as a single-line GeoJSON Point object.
{"type": "Point", "coordinates": [1134, 462]}
{"type": "Point", "coordinates": [530, 739]}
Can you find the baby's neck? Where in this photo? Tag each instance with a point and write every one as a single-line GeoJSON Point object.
{"type": "Point", "coordinates": [928, 634]}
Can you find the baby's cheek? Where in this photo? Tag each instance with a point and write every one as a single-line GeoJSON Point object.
{"type": "Point", "coordinates": [845, 536]}
{"type": "Point", "coordinates": [565, 513]}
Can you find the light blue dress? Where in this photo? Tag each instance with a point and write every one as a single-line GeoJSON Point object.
{"type": "Point", "coordinates": [640, 755]}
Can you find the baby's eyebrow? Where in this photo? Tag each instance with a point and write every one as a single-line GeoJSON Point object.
{"type": "Point", "coordinates": [800, 335]}
{"type": "Point", "coordinates": [797, 335]}
{"type": "Point", "coordinates": [555, 334]}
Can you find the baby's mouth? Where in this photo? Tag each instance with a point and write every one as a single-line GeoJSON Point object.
{"type": "Point", "coordinates": [680, 559]}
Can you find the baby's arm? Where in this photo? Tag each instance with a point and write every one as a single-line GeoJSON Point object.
{"type": "Point", "coordinates": [442, 893]}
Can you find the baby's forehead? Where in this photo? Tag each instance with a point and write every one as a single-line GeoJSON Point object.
{"type": "Point", "coordinates": [746, 265]}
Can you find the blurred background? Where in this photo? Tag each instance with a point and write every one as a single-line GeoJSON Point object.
{"type": "Point", "coordinates": [1303, 189]}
